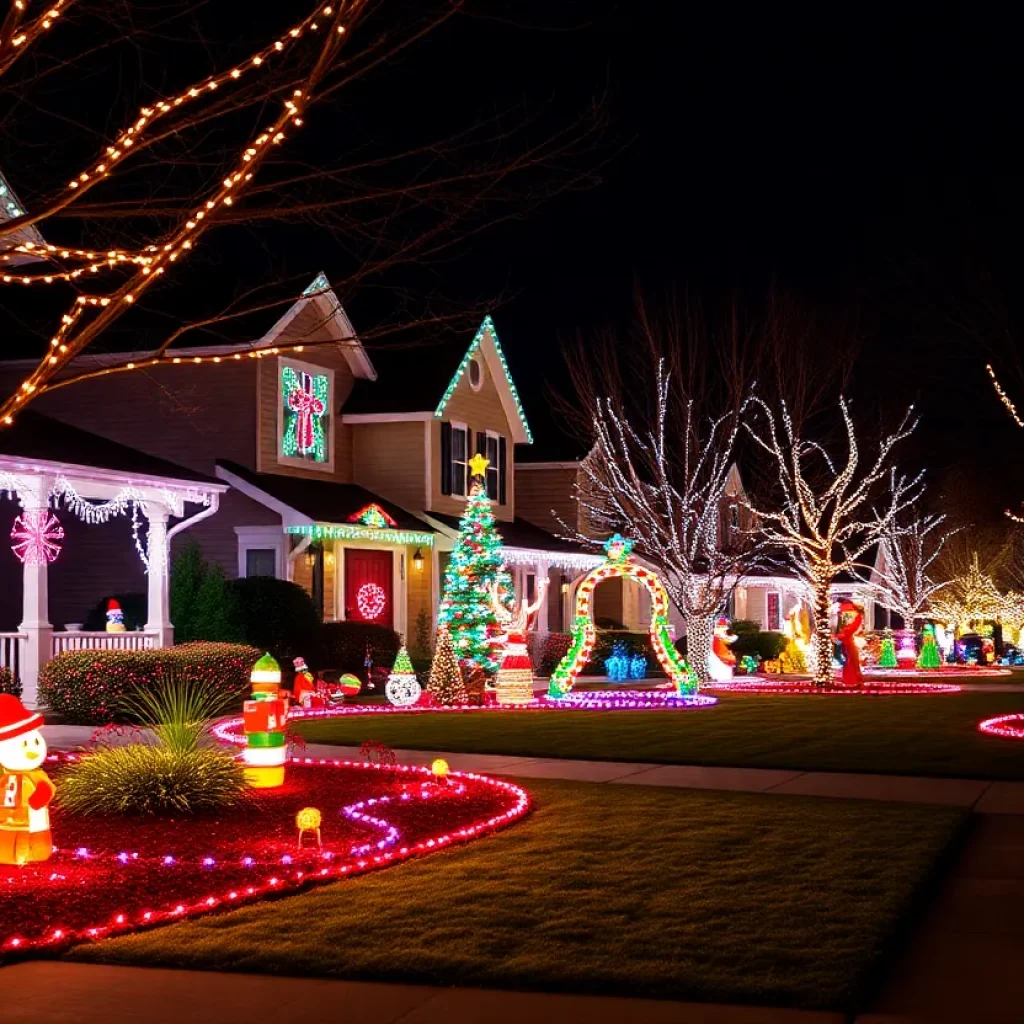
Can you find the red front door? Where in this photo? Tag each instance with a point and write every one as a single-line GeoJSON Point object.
{"type": "Point", "coordinates": [368, 577]}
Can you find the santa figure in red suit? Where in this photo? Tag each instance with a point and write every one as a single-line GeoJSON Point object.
{"type": "Point", "coordinates": [25, 789]}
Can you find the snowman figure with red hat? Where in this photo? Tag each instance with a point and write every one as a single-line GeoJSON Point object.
{"type": "Point", "coordinates": [115, 617]}
{"type": "Point", "coordinates": [25, 789]}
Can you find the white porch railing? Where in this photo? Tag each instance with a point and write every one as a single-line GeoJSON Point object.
{"type": "Point", "coordinates": [10, 652]}
{"type": "Point", "coordinates": [140, 640]}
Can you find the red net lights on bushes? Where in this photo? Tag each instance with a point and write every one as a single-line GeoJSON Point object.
{"type": "Point", "coordinates": [117, 875]}
{"type": "Point", "coordinates": [1009, 727]}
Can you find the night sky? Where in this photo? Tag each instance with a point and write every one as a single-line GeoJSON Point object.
{"type": "Point", "coordinates": [863, 162]}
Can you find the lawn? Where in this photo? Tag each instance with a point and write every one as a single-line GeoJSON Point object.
{"type": "Point", "coordinates": [914, 735]}
{"type": "Point", "coordinates": [729, 897]}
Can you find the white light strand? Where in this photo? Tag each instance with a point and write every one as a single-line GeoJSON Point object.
{"type": "Point", "coordinates": [556, 559]}
{"type": "Point", "coordinates": [8, 484]}
{"type": "Point", "coordinates": [143, 551]}
{"type": "Point", "coordinates": [63, 491]}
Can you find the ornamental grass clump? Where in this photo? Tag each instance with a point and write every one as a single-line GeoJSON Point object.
{"type": "Point", "coordinates": [179, 772]}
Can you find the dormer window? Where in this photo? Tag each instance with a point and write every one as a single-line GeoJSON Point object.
{"type": "Point", "coordinates": [305, 396]}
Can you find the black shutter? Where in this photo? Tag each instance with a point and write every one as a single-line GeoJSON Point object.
{"type": "Point", "coordinates": [481, 442]}
{"type": "Point", "coordinates": [446, 458]}
{"type": "Point", "coordinates": [501, 471]}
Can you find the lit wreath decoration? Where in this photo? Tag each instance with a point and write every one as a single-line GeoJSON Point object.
{"type": "Point", "coordinates": [371, 599]}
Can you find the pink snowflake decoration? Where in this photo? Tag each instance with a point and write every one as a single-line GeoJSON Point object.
{"type": "Point", "coordinates": [36, 533]}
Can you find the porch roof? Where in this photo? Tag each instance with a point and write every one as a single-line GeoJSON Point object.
{"type": "Point", "coordinates": [37, 438]}
{"type": "Point", "coordinates": [322, 501]}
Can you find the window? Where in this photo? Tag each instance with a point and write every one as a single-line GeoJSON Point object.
{"type": "Point", "coordinates": [773, 612]}
{"type": "Point", "coordinates": [493, 466]}
{"type": "Point", "coordinates": [260, 561]}
{"type": "Point", "coordinates": [460, 456]}
{"type": "Point", "coordinates": [476, 374]}
{"type": "Point", "coordinates": [304, 414]}
{"type": "Point", "coordinates": [734, 516]}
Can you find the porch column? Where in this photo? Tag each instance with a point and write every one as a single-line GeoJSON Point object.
{"type": "Point", "coordinates": [33, 494]}
{"type": "Point", "coordinates": [158, 608]}
{"type": "Point", "coordinates": [542, 611]}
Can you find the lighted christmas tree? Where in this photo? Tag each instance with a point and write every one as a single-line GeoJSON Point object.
{"type": "Point", "coordinates": [929, 656]}
{"type": "Point", "coordinates": [887, 654]}
{"type": "Point", "coordinates": [466, 602]}
{"type": "Point", "coordinates": [446, 685]}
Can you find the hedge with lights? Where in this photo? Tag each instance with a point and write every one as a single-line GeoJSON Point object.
{"type": "Point", "coordinates": [8, 684]}
{"type": "Point", "coordinates": [86, 687]}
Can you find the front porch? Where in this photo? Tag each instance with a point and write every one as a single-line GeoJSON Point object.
{"type": "Point", "coordinates": [57, 476]}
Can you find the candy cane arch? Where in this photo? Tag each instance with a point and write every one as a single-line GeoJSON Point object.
{"type": "Point", "coordinates": [584, 633]}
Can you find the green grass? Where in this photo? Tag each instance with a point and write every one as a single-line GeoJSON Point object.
{"type": "Point", "coordinates": [610, 889]}
{"type": "Point", "coordinates": [931, 735]}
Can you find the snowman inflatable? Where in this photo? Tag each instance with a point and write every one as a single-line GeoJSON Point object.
{"type": "Point", "coordinates": [721, 660]}
{"type": "Point", "coordinates": [25, 790]}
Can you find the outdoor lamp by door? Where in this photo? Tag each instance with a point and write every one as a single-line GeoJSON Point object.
{"type": "Point", "coordinates": [417, 560]}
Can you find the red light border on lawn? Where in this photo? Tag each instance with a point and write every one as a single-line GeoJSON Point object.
{"type": "Point", "coordinates": [1002, 728]}
{"type": "Point", "coordinates": [285, 879]}
{"type": "Point", "coordinates": [795, 687]}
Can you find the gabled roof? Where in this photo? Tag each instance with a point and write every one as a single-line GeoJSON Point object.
{"type": "Point", "coordinates": [420, 380]}
{"type": "Point", "coordinates": [39, 438]}
{"type": "Point", "coordinates": [10, 207]}
{"type": "Point", "coordinates": [316, 501]}
{"type": "Point", "coordinates": [520, 534]}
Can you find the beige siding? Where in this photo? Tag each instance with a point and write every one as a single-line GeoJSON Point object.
{"type": "Point", "coordinates": [420, 587]}
{"type": "Point", "coordinates": [387, 458]}
{"type": "Point", "coordinates": [325, 358]}
{"type": "Point", "coordinates": [539, 491]}
{"type": "Point", "coordinates": [479, 410]}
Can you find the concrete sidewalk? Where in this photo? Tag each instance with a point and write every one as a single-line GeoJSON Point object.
{"type": "Point", "coordinates": [69, 993]}
{"type": "Point", "coordinates": [979, 795]}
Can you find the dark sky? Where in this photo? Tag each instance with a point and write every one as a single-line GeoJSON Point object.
{"type": "Point", "coordinates": [864, 160]}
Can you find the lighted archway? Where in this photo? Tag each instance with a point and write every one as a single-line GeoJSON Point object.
{"type": "Point", "coordinates": [584, 633]}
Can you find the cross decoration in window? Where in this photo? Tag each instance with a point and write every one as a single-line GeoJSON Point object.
{"type": "Point", "coordinates": [306, 399]}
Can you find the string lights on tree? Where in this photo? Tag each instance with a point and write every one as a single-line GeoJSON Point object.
{"type": "Point", "coordinates": [829, 513]}
{"type": "Point", "coordinates": [665, 483]}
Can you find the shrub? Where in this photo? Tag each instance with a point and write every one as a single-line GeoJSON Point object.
{"type": "Point", "coordinates": [133, 606]}
{"type": "Point", "coordinates": [344, 647]}
{"type": "Point", "coordinates": [277, 616]}
{"type": "Point", "coordinates": [744, 626]}
{"type": "Point", "coordinates": [8, 684]}
{"type": "Point", "coordinates": [140, 779]}
{"type": "Point", "coordinates": [203, 605]}
{"type": "Point", "coordinates": [767, 645]}
{"type": "Point", "coordinates": [88, 687]}
{"type": "Point", "coordinates": [547, 650]}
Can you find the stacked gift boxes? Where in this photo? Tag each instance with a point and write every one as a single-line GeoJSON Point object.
{"type": "Point", "coordinates": [265, 719]}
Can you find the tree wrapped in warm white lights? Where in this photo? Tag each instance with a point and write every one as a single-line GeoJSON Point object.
{"type": "Point", "coordinates": [662, 480]}
{"type": "Point", "coordinates": [902, 580]}
{"type": "Point", "coordinates": [969, 599]}
{"type": "Point", "coordinates": [828, 513]}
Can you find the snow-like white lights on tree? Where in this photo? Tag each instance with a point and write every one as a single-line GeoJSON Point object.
{"type": "Point", "coordinates": [825, 519]}
{"type": "Point", "coordinates": [36, 536]}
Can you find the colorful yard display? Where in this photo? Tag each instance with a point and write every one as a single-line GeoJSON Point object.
{"type": "Point", "coordinates": [906, 656]}
{"type": "Point", "coordinates": [348, 685]}
{"type": "Point", "coordinates": [514, 682]}
{"type": "Point", "coordinates": [881, 688]}
{"type": "Point", "coordinates": [112, 877]}
{"type": "Point", "coordinates": [887, 653]}
{"type": "Point", "coordinates": [446, 684]}
{"type": "Point", "coordinates": [265, 717]}
{"type": "Point", "coordinates": [402, 688]}
{"type": "Point", "coordinates": [616, 665]}
{"type": "Point", "coordinates": [466, 602]}
{"type": "Point", "coordinates": [851, 622]}
{"type": "Point", "coordinates": [929, 657]}
{"type": "Point", "coordinates": [721, 660]}
{"type": "Point", "coordinates": [25, 789]}
{"type": "Point", "coordinates": [115, 617]}
{"type": "Point", "coordinates": [584, 634]}
{"type": "Point", "coordinates": [304, 688]}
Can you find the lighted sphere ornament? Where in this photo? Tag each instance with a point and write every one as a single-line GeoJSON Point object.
{"type": "Point", "coordinates": [371, 601]}
{"type": "Point", "coordinates": [25, 789]}
{"type": "Point", "coordinates": [308, 820]}
{"type": "Point", "coordinates": [349, 685]}
{"type": "Point", "coordinates": [402, 688]}
{"type": "Point", "coordinates": [264, 719]}
{"type": "Point", "coordinates": [439, 769]}
{"type": "Point", "coordinates": [36, 536]}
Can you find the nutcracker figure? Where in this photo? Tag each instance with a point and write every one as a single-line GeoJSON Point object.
{"type": "Point", "coordinates": [25, 789]}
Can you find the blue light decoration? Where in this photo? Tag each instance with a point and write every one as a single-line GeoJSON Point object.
{"type": "Point", "coordinates": [617, 664]}
{"type": "Point", "coordinates": [638, 666]}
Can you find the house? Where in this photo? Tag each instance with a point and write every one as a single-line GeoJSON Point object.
{"type": "Point", "coordinates": [344, 472]}
{"type": "Point", "coordinates": [551, 484]}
